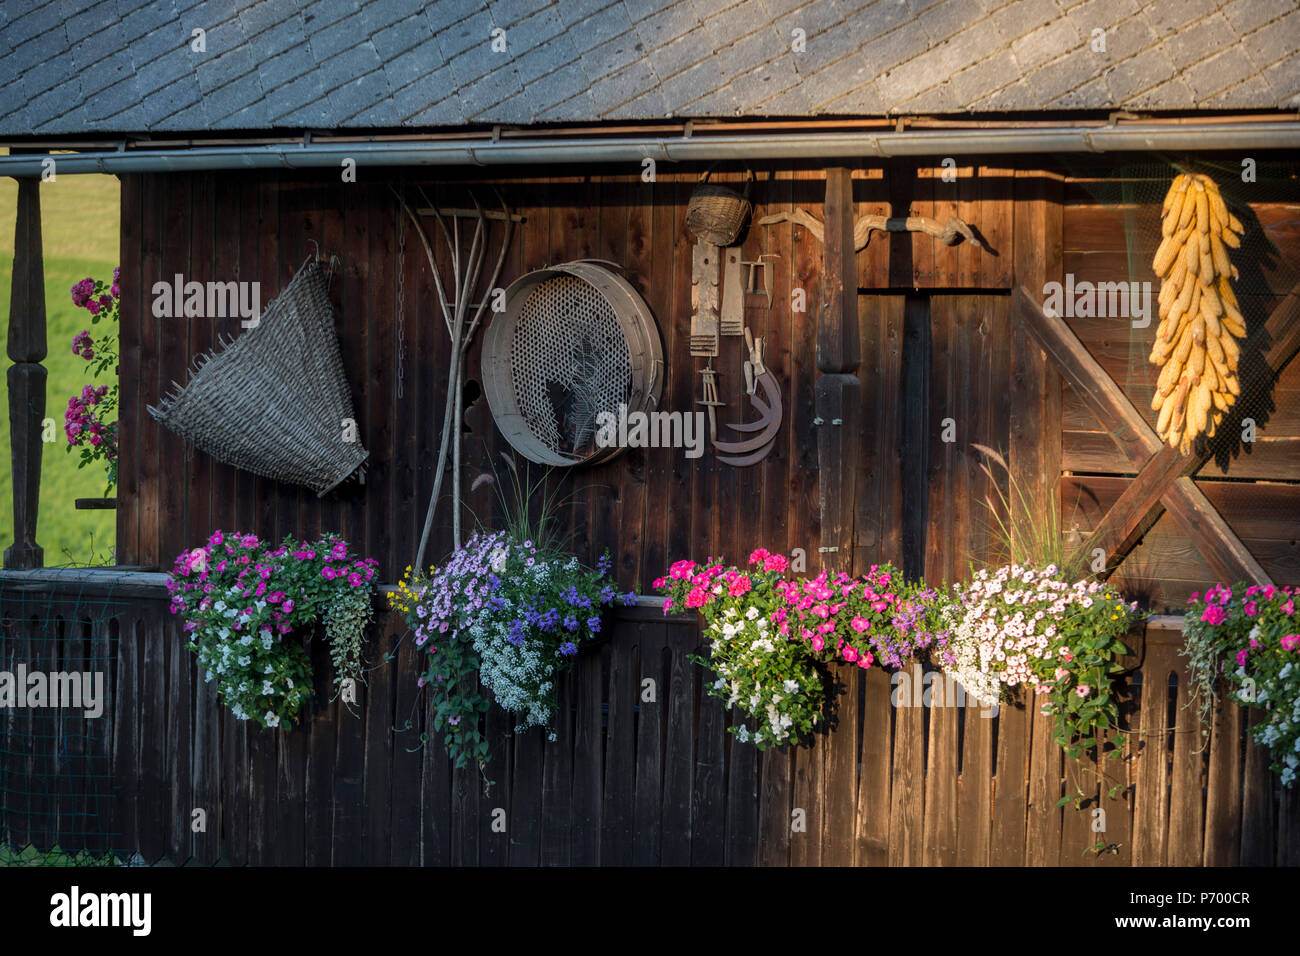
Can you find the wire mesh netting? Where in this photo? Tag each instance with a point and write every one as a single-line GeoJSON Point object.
{"type": "Point", "coordinates": [57, 661]}
{"type": "Point", "coordinates": [569, 362]}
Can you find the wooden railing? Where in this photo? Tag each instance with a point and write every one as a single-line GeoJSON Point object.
{"type": "Point", "coordinates": [642, 770]}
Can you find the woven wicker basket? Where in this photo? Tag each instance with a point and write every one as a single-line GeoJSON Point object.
{"type": "Point", "coordinates": [273, 401]}
{"type": "Point", "coordinates": [717, 213]}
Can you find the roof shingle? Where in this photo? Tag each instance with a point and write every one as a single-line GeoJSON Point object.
{"type": "Point", "coordinates": [126, 66]}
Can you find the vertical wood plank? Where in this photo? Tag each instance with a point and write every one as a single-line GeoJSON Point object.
{"type": "Point", "coordinates": [588, 765]}
{"type": "Point", "coordinates": [181, 737]}
{"type": "Point", "coordinates": [839, 830]}
{"type": "Point", "coordinates": [907, 792]}
{"type": "Point", "coordinates": [155, 265]}
{"type": "Point", "coordinates": [1151, 801]}
{"type": "Point", "coordinates": [618, 803]}
{"type": "Point", "coordinates": [1223, 789]}
{"type": "Point", "coordinates": [651, 728]}
{"type": "Point", "coordinates": [873, 784]}
{"type": "Point", "coordinates": [1258, 835]}
{"type": "Point", "coordinates": [679, 703]}
{"type": "Point", "coordinates": [133, 290]}
{"type": "Point", "coordinates": [708, 820]}
{"type": "Point", "coordinates": [1186, 807]}
{"type": "Point", "coordinates": [557, 773]}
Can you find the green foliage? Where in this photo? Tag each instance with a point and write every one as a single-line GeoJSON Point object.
{"type": "Point", "coordinates": [30, 856]}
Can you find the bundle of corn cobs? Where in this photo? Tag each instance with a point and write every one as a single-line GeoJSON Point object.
{"type": "Point", "coordinates": [1200, 322]}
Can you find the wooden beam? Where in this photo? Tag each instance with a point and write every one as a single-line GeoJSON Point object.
{"type": "Point", "coordinates": [1034, 452]}
{"type": "Point", "coordinates": [1135, 437]}
{"type": "Point", "coordinates": [837, 324]}
{"type": "Point", "coordinates": [1139, 507]}
{"type": "Point", "coordinates": [26, 377]}
{"type": "Point", "coordinates": [837, 391]}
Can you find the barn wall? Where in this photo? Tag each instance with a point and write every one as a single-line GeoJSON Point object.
{"type": "Point", "coordinates": [936, 342]}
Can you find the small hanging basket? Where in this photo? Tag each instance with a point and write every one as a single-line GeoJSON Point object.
{"type": "Point", "coordinates": [275, 401]}
{"type": "Point", "coordinates": [717, 213]}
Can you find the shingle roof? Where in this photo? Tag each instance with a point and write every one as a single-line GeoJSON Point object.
{"type": "Point", "coordinates": [118, 66]}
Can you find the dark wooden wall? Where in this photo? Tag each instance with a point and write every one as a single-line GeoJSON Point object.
{"type": "Point", "coordinates": [648, 506]}
{"type": "Point", "coordinates": [934, 331]}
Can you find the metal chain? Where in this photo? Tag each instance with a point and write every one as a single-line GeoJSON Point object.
{"type": "Point", "coordinates": [401, 299]}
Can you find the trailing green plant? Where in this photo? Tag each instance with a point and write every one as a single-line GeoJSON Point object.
{"type": "Point", "coordinates": [244, 600]}
{"type": "Point", "coordinates": [506, 615]}
{"type": "Point", "coordinates": [1022, 625]}
{"type": "Point", "coordinates": [768, 635]}
{"type": "Point", "coordinates": [1246, 639]}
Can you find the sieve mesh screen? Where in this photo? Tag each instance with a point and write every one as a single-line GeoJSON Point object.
{"type": "Point", "coordinates": [569, 361]}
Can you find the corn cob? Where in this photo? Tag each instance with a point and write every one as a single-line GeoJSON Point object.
{"type": "Point", "coordinates": [1200, 319]}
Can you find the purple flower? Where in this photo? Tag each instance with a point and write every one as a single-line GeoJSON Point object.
{"type": "Point", "coordinates": [568, 649]}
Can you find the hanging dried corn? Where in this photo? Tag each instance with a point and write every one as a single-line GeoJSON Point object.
{"type": "Point", "coordinates": [1200, 321]}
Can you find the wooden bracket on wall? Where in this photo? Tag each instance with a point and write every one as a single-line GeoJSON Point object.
{"type": "Point", "coordinates": [1161, 487]}
{"type": "Point", "coordinates": [950, 234]}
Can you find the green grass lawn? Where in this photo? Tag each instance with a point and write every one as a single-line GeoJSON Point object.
{"type": "Point", "coordinates": [79, 226]}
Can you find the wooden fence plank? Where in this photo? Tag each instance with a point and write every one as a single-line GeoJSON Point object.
{"type": "Point", "coordinates": [588, 765]}
{"type": "Point", "coordinates": [407, 755]}
{"type": "Point", "coordinates": [708, 830]}
{"type": "Point", "coordinates": [155, 811]}
{"type": "Point", "coordinates": [872, 823]}
{"type": "Point", "coordinates": [1151, 800]}
{"type": "Point", "coordinates": [679, 702]}
{"type": "Point", "coordinates": [1186, 799]}
{"type": "Point", "coordinates": [742, 805]}
{"type": "Point", "coordinates": [650, 731]}
{"type": "Point", "coordinates": [1043, 828]}
{"type": "Point", "coordinates": [617, 810]}
{"type": "Point", "coordinates": [1010, 787]}
{"type": "Point", "coordinates": [907, 794]}
{"type": "Point", "coordinates": [494, 808]}
{"type": "Point", "coordinates": [557, 779]}
{"type": "Point", "coordinates": [839, 823]}
{"type": "Point", "coordinates": [180, 741]}
{"type": "Point", "coordinates": [1258, 835]}
{"type": "Point", "coordinates": [377, 772]}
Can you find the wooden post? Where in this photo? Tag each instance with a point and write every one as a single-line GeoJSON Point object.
{"type": "Point", "coordinates": [26, 348]}
{"type": "Point", "coordinates": [838, 392]}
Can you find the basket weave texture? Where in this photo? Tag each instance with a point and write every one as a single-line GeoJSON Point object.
{"type": "Point", "coordinates": [717, 213]}
{"type": "Point", "coordinates": [273, 401]}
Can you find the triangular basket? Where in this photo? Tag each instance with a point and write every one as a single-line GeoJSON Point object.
{"type": "Point", "coordinates": [274, 400]}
